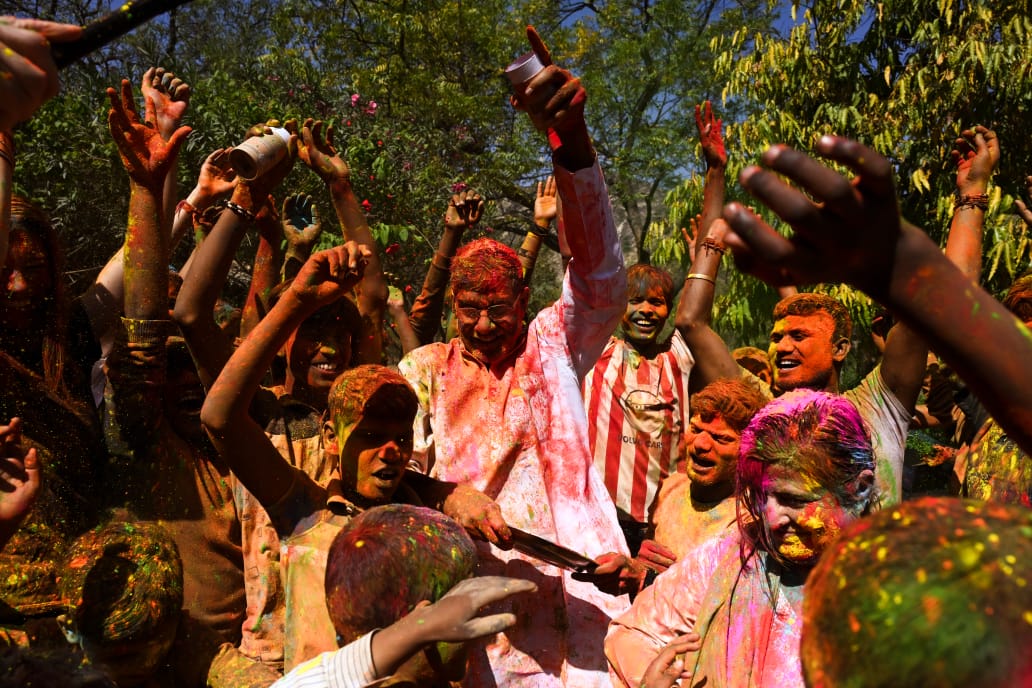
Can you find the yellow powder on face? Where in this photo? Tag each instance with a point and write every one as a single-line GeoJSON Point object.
{"type": "Point", "coordinates": [793, 549]}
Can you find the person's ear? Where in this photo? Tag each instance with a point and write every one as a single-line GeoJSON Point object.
{"type": "Point", "coordinates": [839, 348]}
{"type": "Point", "coordinates": [863, 489]}
{"type": "Point", "coordinates": [524, 299]}
{"type": "Point", "coordinates": [329, 437]}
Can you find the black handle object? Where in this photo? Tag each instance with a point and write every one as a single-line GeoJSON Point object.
{"type": "Point", "coordinates": [112, 25]}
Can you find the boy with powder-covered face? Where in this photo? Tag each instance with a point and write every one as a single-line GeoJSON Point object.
{"type": "Point", "coordinates": [369, 427]}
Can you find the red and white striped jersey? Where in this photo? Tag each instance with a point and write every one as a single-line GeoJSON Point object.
{"type": "Point", "coordinates": [637, 412]}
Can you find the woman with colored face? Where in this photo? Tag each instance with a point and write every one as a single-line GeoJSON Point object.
{"type": "Point", "coordinates": [732, 608]}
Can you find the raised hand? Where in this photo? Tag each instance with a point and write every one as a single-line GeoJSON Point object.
{"type": "Point", "coordinates": [453, 618]}
{"type": "Point", "coordinates": [217, 178]}
{"type": "Point", "coordinates": [19, 478]}
{"type": "Point", "coordinates": [251, 192]}
{"type": "Point", "coordinates": [668, 666]}
{"type": "Point", "coordinates": [301, 225]}
{"type": "Point", "coordinates": [30, 75]}
{"type": "Point", "coordinates": [545, 205]}
{"type": "Point", "coordinates": [1023, 210]}
{"type": "Point", "coordinates": [711, 136]}
{"type": "Point", "coordinates": [317, 152]}
{"type": "Point", "coordinates": [166, 97]}
{"type": "Point", "coordinates": [146, 155]}
{"type": "Point", "coordinates": [976, 154]}
{"type": "Point", "coordinates": [464, 210]}
{"type": "Point", "coordinates": [553, 98]}
{"type": "Point", "coordinates": [845, 230]}
{"type": "Point", "coordinates": [329, 275]}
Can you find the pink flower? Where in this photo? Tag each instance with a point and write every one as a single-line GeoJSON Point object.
{"type": "Point", "coordinates": [371, 108]}
{"type": "Point", "coordinates": [392, 249]}
{"type": "Point", "coordinates": [459, 186]}
{"type": "Point", "coordinates": [408, 288]}
{"type": "Point", "coordinates": [366, 205]}
{"type": "Point", "coordinates": [354, 99]}
{"type": "Point", "coordinates": [406, 166]}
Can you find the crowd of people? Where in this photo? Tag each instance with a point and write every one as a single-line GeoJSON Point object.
{"type": "Point", "coordinates": [265, 498]}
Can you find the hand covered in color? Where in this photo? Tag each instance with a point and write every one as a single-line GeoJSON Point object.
{"type": "Point", "coordinates": [147, 156]}
{"type": "Point", "coordinates": [711, 136]}
{"type": "Point", "coordinates": [301, 225]}
{"type": "Point", "coordinates": [166, 97]}
{"type": "Point", "coordinates": [329, 275]}
{"type": "Point", "coordinates": [317, 152]}
{"type": "Point", "coordinates": [479, 515]}
{"type": "Point", "coordinates": [453, 618]}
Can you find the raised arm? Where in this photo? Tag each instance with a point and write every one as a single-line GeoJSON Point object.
{"type": "Point", "coordinates": [147, 157]}
{"type": "Point", "coordinates": [464, 210]}
{"type": "Point", "coordinates": [856, 235]}
{"type": "Point", "coordinates": [167, 97]}
{"type": "Point", "coordinates": [713, 359]}
{"type": "Point", "coordinates": [318, 153]}
{"type": "Point", "coordinates": [194, 312]}
{"type": "Point", "coordinates": [976, 154]}
{"type": "Point", "coordinates": [546, 207]}
{"type": "Point", "coordinates": [265, 274]}
{"type": "Point", "coordinates": [301, 227]}
{"type": "Point", "coordinates": [326, 277]}
{"type": "Point", "coordinates": [402, 325]}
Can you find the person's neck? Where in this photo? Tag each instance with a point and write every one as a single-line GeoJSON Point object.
{"type": "Point", "coordinates": [711, 494]}
{"type": "Point", "coordinates": [648, 348]}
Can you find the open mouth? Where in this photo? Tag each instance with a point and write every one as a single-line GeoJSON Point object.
{"type": "Point", "coordinates": [191, 403]}
{"type": "Point", "coordinates": [786, 364]}
{"type": "Point", "coordinates": [703, 463]}
{"type": "Point", "coordinates": [387, 474]}
{"type": "Point", "coordinates": [327, 368]}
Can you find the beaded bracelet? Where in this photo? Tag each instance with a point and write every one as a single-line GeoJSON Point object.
{"type": "Point", "coordinates": [980, 201]}
{"type": "Point", "coordinates": [241, 212]}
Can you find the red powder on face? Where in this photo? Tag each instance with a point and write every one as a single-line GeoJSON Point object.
{"type": "Point", "coordinates": [485, 266]}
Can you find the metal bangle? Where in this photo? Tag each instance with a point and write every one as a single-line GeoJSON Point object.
{"type": "Point", "coordinates": [702, 276]}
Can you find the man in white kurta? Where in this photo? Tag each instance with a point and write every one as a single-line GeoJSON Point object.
{"type": "Point", "coordinates": [501, 410]}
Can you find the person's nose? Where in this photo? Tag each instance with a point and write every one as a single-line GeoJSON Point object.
{"type": "Point", "coordinates": [776, 514]}
{"type": "Point", "coordinates": [484, 323]}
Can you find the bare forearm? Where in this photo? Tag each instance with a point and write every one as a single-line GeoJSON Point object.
{"type": "Point", "coordinates": [712, 196]}
{"type": "Point", "coordinates": [407, 335]}
{"type": "Point", "coordinates": [973, 332]}
{"type": "Point", "coordinates": [264, 278]}
{"type": "Point", "coordinates": [964, 244]}
{"type": "Point", "coordinates": [146, 258]}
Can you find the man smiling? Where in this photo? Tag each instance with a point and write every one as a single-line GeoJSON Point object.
{"type": "Point", "coordinates": [637, 402]}
{"type": "Point", "coordinates": [500, 409]}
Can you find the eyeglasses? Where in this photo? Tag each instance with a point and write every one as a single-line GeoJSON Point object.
{"type": "Point", "coordinates": [499, 311]}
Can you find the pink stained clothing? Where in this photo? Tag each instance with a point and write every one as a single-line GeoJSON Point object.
{"type": "Point", "coordinates": [745, 643]}
{"type": "Point", "coordinates": [517, 431]}
{"type": "Point", "coordinates": [637, 410]}
{"type": "Point", "coordinates": [294, 429]}
{"type": "Point", "coordinates": [682, 525]}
